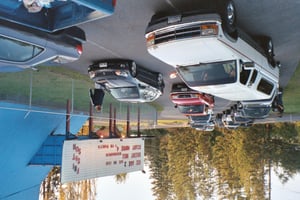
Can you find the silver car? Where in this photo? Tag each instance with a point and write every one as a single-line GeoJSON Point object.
{"type": "Point", "coordinates": [23, 47]}
{"type": "Point", "coordinates": [126, 81]}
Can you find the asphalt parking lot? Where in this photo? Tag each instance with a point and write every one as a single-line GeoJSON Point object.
{"type": "Point", "coordinates": [122, 36]}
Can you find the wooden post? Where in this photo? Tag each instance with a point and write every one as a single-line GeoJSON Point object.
{"type": "Point", "coordinates": [127, 123]}
{"type": "Point", "coordinates": [91, 120]}
{"type": "Point", "coordinates": [110, 120]}
{"type": "Point", "coordinates": [138, 123]}
{"type": "Point", "coordinates": [115, 126]}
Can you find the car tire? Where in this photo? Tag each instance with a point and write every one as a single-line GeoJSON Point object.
{"type": "Point", "coordinates": [270, 47]}
{"type": "Point", "coordinates": [161, 89]}
{"type": "Point", "coordinates": [228, 15]}
{"type": "Point", "coordinates": [133, 71]}
{"type": "Point", "coordinates": [160, 82]}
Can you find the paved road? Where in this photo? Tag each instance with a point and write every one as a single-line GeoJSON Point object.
{"type": "Point", "coordinates": [122, 36]}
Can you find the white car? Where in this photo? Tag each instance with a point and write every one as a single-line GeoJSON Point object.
{"type": "Point", "coordinates": [213, 56]}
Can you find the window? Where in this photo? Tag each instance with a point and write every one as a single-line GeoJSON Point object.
{"type": "Point", "coordinates": [265, 86]}
{"type": "Point", "coordinates": [191, 109]}
{"type": "Point", "coordinates": [17, 51]}
{"type": "Point", "coordinates": [244, 75]}
{"type": "Point", "coordinates": [209, 73]}
{"type": "Point", "coordinates": [125, 92]}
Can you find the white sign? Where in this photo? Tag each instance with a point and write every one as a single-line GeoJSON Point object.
{"type": "Point", "coordinates": [92, 158]}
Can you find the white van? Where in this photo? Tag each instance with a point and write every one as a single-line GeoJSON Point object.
{"type": "Point", "coordinates": [212, 56]}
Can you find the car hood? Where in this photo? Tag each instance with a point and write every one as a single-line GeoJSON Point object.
{"type": "Point", "coordinates": [112, 81]}
{"type": "Point", "coordinates": [199, 50]}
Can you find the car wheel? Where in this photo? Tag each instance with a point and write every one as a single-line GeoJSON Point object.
{"type": "Point", "coordinates": [268, 47]}
{"type": "Point", "coordinates": [228, 15]}
{"type": "Point", "coordinates": [161, 89]}
{"type": "Point", "coordinates": [133, 69]}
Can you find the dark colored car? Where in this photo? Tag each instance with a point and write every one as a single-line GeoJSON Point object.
{"type": "Point", "coordinates": [252, 111]}
{"type": "Point", "coordinates": [126, 81]}
{"type": "Point", "coordinates": [231, 120]}
{"type": "Point", "coordinates": [191, 102]}
{"type": "Point", "coordinates": [244, 122]}
{"type": "Point", "coordinates": [23, 47]}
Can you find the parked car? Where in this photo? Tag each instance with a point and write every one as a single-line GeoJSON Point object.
{"type": "Point", "coordinates": [228, 121]}
{"type": "Point", "coordinates": [202, 122]}
{"type": "Point", "coordinates": [23, 47]}
{"type": "Point", "coordinates": [231, 120]}
{"type": "Point", "coordinates": [258, 109]}
{"type": "Point", "coordinates": [126, 81]}
{"type": "Point", "coordinates": [243, 121]}
{"type": "Point", "coordinates": [253, 110]}
{"type": "Point", "coordinates": [54, 15]}
{"type": "Point", "coordinates": [212, 55]}
{"type": "Point", "coordinates": [191, 102]}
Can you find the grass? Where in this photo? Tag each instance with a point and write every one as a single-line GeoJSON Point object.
{"type": "Point", "coordinates": [52, 86]}
{"type": "Point", "coordinates": [291, 94]}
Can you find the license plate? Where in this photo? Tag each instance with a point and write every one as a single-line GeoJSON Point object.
{"type": "Point", "coordinates": [183, 89]}
{"type": "Point", "coordinates": [174, 19]}
{"type": "Point", "coordinates": [102, 65]}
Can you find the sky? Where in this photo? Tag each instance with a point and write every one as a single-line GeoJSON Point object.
{"type": "Point", "coordinates": [288, 191]}
{"type": "Point", "coordinates": [137, 187]}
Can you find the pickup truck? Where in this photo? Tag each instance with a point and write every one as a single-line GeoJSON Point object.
{"type": "Point", "coordinates": [54, 15]}
{"type": "Point", "coordinates": [213, 56]}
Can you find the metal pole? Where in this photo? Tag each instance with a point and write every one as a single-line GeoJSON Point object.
{"type": "Point", "coordinates": [155, 118]}
{"type": "Point", "coordinates": [68, 119]}
{"type": "Point", "coordinates": [30, 90]}
{"type": "Point", "coordinates": [72, 96]}
{"type": "Point", "coordinates": [30, 96]}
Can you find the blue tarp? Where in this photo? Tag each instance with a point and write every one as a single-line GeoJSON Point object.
{"type": "Point", "coordinates": [22, 133]}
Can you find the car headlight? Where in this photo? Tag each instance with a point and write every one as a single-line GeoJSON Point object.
{"type": "Point", "coordinates": [92, 74]}
{"type": "Point", "coordinates": [173, 75]}
{"type": "Point", "coordinates": [209, 29]}
{"type": "Point", "coordinates": [150, 39]}
{"type": "Point", "coordinates": [121, 73]}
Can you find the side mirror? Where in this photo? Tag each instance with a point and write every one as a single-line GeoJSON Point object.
{"type": "Point", "coordinates": [248, 65]}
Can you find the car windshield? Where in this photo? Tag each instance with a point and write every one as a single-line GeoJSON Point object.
{"type": "Point", "coordinates": [200, 118]}
{"type": "Point", "coordinates": [125, 93]}
{"type": "Point", "coordinates": [209, 73]}
{"type": "Point", "coordinates": [17, 51]}
{"type": "Point", "coordinates": [257, 112]}
{"type": "Point", "coordinates": [241, 119]}
{"type": "Point", "coordinates": [191, 109]}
